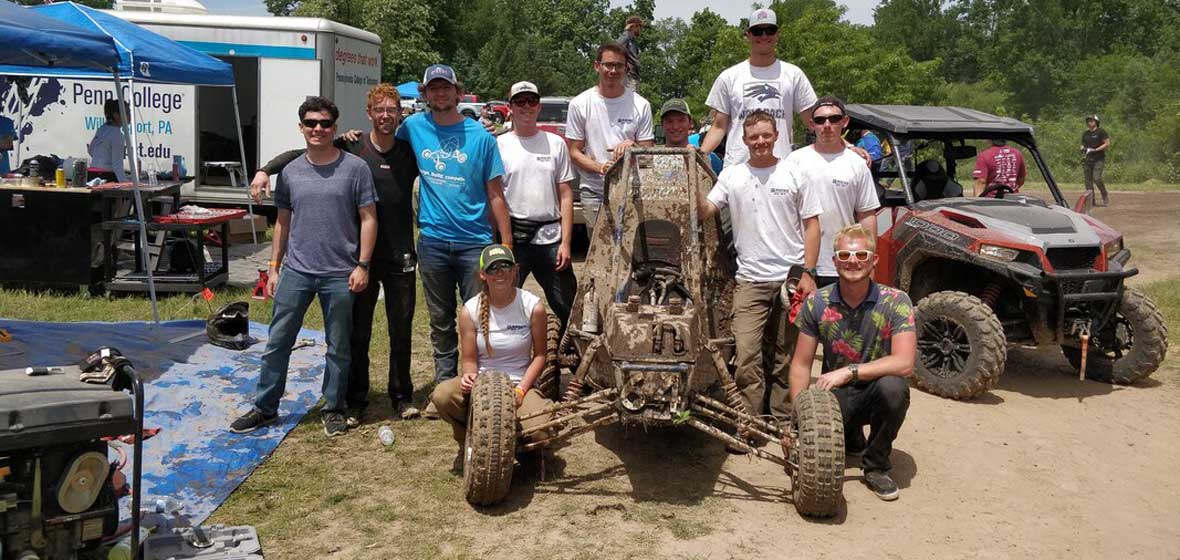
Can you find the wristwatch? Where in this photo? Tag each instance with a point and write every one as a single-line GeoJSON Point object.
{"type": "Point", "coordinates": [810, 272]}
{"type": "Point", "coordinates": [363, 264]}
{"type": "Point", "coordinates": [855, 369]}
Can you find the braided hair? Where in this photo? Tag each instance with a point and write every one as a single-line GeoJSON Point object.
{"type": "Point", "coordinates": [484, 313]}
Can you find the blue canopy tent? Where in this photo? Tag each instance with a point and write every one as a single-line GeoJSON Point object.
{"type": "Point", "coordinates": [142, 56]}
{"type": "Point", "coordinates": [408, 90]}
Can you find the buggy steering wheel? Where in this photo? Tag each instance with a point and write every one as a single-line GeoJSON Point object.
{"type": "Point", "coordinates": [998, 188]}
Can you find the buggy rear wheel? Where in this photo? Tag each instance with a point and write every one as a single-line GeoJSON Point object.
{"type": "Point", "coordinates": [961, 345]}
{"type": "Point", "coordinates": [818, 451]}
{"type": "Point", "coordinates": [490, 448]}
{"type": "Point", "coordinates": [1129, 347]}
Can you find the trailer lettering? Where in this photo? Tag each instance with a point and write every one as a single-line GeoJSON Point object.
{"type": "Point", "coordinates": [147, 97]}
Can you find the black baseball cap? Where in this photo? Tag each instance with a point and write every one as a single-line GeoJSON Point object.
{"type": "Point", "coordinates": [830, 101]}
{"type": "Point", "coordinates": [493, 254]}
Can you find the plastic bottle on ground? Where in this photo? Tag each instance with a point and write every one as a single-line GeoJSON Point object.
{"type": "Point", "coordinates": [385, 434]}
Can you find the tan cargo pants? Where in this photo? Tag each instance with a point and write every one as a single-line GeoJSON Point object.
{"type": "Point", "coordinates": [762, 341]}
{"type": "Point", "coordinates": [450, 400]}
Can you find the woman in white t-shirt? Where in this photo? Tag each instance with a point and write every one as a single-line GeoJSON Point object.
{"type": "Point", "coordinates": [500, 330]}
{"type": "Point", "coordinates": [107, 149]}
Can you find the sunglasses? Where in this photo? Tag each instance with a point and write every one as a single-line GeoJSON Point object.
{"type": "Point", "coordinates": [497, 268]}
{"type": "Point", "coordinates": [861, 255]}
{"type": "Point", "coordinates": [526, 101]}
{"type": "Point", "coordinates": [764, 30]}
{"type": "Point", "coordinates": [385, 110]}
{"type": "Point", "coordinates": [827, 119]}
{"type": "Point", "coordinates": [612, 66]}
{"type": "Point", "coordinates": [322, 123]}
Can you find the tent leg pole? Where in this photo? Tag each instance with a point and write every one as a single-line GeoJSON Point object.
{"type": "Point", "coordinates": [128, 127]}
{"type": "Point", "coordinates": [245, 170]}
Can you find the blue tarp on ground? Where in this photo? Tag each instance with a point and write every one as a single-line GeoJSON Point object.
{"type": "Point", "coordinates": [143, 55]}
{"type": "Point", "coordinates": [33, 39]}
{"type": "Point", "coordinates": [193, 391]}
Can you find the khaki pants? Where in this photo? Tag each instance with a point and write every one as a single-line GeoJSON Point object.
{"type": "Point", "coordinates": [762, 341]}
{"type": "Point", "coordinates": [450, 400]}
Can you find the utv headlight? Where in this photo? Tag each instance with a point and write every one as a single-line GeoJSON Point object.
{"type": "Point", "coordinates": [1113, 247]}
{"type": "Point", "coordinates": [998, 253]}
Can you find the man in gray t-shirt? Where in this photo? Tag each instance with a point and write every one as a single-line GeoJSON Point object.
{"type": "Point", "coordinates": [326, 227]}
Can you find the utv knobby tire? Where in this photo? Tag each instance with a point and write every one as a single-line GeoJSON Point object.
{"type": "Point", "coordinates": [548, 383]}
{"type": "Point", "coordinates": [490, 449]}
{"type": "Point", "coordinates": [976, 331]}
{"type": "Point", "coordinates": [818, 451]}
{"type": "Point", "coordinates": [1149, 344]}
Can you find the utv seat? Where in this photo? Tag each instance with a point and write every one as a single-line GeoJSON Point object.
{"type": "Point", "coordinates": [931, 182]}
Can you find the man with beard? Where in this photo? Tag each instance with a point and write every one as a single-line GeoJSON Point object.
{"type": "Point", "coordinates": [775, 227]}
{"type": "Point", "coordinates": [461, 207]}
{"type": "Point", "coordinates": [394, 169]}
{"type": "Point", "coordinates": [870, 345]}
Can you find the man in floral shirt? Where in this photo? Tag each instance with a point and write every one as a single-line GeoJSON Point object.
{"type": "Point", "coordinates": [867, 331]}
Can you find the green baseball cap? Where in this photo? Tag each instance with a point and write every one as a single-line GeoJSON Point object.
{"type": "Point", "coordinates": [493, 254]}
{"type": "Point", "coordinates": [675, 104]}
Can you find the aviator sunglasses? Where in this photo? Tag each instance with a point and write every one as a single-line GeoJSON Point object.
{"type": "Point", "coordinates": [322, 123]}
{"type": "Point", "coordinates": [861, 255]}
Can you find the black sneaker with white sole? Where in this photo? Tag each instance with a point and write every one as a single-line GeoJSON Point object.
{"type": "Point", "coordinates": [881, 485]}
{"type": "Point", "coordinates": [354, 416]}
{"type": "Point", "coordinates": [334, 423]}
{"type": "Point", "coordinates": [251, 421]}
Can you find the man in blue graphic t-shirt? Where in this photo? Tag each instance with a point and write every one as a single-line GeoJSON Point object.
{"type": "Point", "coordinates": [461, 203]}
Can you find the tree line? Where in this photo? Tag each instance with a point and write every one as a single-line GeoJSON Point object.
{"type": "Point", "coordinates": [1047, 62]}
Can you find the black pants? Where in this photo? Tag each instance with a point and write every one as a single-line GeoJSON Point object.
{"type": "Point", "coordinates": [400, 293]}
{"type": "Point", "coordinates": [560, 286]}
{"type": "Point", "coordinates": [881, 404]}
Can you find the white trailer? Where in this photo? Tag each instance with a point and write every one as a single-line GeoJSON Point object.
{"type": "Point", "coordinates": [278, 62]}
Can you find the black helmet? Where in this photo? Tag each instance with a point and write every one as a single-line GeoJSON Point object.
{"type": "Point", "coordinates": [229, 327]}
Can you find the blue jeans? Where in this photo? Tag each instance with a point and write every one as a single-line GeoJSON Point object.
{"type": "Point", "coordinates": [560, 287]}
{"type": "Point", "coordinates": [444, 267]}
{"type": "Point", "coordinates": [292, 297]}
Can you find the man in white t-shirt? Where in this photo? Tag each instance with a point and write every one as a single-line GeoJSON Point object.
{"type": "Point", "coordinates": [775, 227]}
{"type": "Point", "coordinates": [602, 123]}
{"type": "Point", "coordinates": [839, 176]}
{"type": "Point", "coordinates": [759, 82]}
{"type": "Point", "coordinates": [537, 176]}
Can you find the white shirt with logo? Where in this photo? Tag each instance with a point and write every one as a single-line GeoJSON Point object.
{"type": "Point", "coordinates": [780, 89]}
{"type": "Point", "coordinates": [844, 186]}
{"type": "Point", "coordinates": [510, 332]}
{"type": "Point", "coordinates": [533, 166]}
{"type": "Point", "coordinates": [768, 206]}
{"type": "Point", "coordinates": [603, 123]}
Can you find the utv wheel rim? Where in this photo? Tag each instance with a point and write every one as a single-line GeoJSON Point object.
{"type": "Point", "coordinates": [945, 347]}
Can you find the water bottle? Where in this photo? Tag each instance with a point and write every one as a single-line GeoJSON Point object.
{"type": "Point", "coordinates": [385, 434]}
{"type": "Point", "coordinates": [589, 312]}
{"type": "Point", "coordinates": [35, 169]}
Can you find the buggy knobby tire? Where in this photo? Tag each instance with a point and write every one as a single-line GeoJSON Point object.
{"type": "Point", "coordinates": [549, 381]}
{"type": "Point", "coordinates": [490, 448]}
{"type": "Point", "coordinates": [818, 451]}
{"type": "Point", "coordinates": [961, 345]}
{"type": "Point", "coordinates": [1143, 345]}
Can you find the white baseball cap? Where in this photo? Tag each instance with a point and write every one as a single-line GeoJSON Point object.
{"type": "Point", "coordinates": [763, 16]}
{"type": "Point", "coordinates": [522, 87]}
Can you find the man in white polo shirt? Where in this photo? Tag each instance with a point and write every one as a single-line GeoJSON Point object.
{"type": "Point", "coordinates": [760, 82]}
{"type": "Point", "coordinates": [775, 227]}
{"type": "Point", "coordinates": [602, 123]}
{"type": "Point", "coordinates": [537, 176]}
{"type": "Point", "coordinates": [839, 176]}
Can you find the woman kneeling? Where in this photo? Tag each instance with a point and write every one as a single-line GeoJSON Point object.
{"type": "Point", "coordinates": [502, 329]}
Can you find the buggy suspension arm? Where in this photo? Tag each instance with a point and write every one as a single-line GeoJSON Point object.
{"type": "Point", "coordinates": [599, 396]}
{"type": "Point", "coordinates": [722, 418]}
{"type": "Point", "coordinates": [737, 415]}
{"type": "Point", "coordinates": [739, 444]}
{"type": "Point", "coordinates": [608, 419]}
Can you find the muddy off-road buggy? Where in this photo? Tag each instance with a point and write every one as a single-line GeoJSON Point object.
{"type": "Point", "coordinates": [649, 344]}
{"type": "Point", "coordinates": [986, 273]}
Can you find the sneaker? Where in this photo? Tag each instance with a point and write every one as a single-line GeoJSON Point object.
{"type": "Point", "coordinates": [430, 413]}
{"type": "Point", "coordinates": [354, 416]}
{"type": "Point", "coordinates": [406, 411]}
{"type": "Point", "coordinates": [881, 485]}
{"type": "Point", "coordinates": [251, 421]}
{"type": "Point", "coordinates": [334, 423]}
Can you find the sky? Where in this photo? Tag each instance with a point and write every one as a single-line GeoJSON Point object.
{"type": "Point", "coordinates": [859, 11]}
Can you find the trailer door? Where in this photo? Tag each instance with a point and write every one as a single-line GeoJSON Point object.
{"type": "Point", "coordinates": [283, 84]}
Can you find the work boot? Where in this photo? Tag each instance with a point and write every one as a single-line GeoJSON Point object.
{"type": "Point", "coordinates": [251, 421]}
{"type": "Point", "coordinates": [881, 485]}
{"type": "Point", "coordinates": [405, 410]}
{"type": "Point", "coordinates": [430, 413]}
